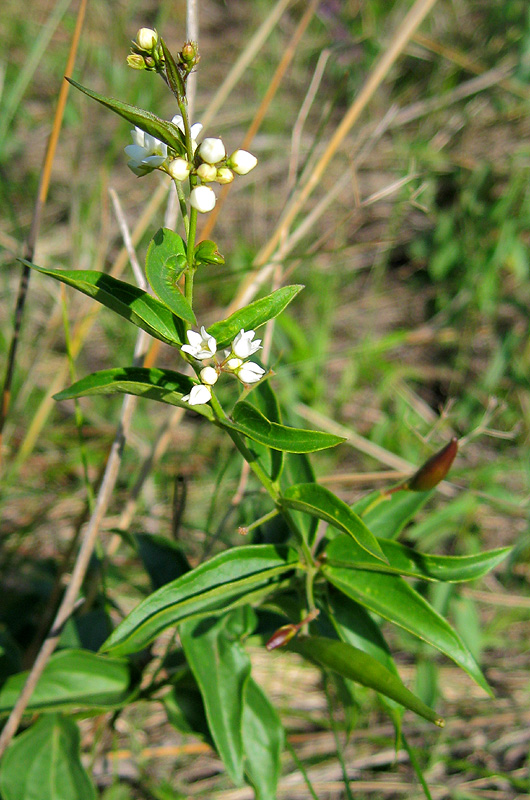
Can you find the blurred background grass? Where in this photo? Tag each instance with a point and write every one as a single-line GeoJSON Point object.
{"type": "Point", "coordinates": [413, 326]}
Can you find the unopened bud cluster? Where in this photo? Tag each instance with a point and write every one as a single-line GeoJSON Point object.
{"type": "Point", "coordinates": [203, 347]}
{"type": "Point", "coordinates": [146, 51]}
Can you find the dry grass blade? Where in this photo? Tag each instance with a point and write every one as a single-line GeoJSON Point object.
{"type": "Point", "coordinates": [406, 30]}
{"type": "Point", "coordinates": [35, 222]}
{"type": "Point", "coordinates": [273, 87]}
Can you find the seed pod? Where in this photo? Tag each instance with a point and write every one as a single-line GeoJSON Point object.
{"type": "Point", "coordinates": [434, 470]}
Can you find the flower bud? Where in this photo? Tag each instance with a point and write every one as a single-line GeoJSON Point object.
{"type": "Point", "coordinates": [233, 364]}
{"type": "Point", "coordinates": [282, 636]}
{"type": "Point", "coordinates": [202, 198]}
{"type": "Point", "coordinates": [242, 161]}
{"type": "Point", "coordinates": [206, 172]}
{"type": "Point", "coordinates": [250, 372]}
{"type": "Point", "coordinates": [179, 169]}
{"type": "Point", "coordinates": [286, 632]}
{"type": "Point", "coordinates": [147, 39]}
{"type": "Point", "coordinates": [189, 54]}
{"type": "Point", "coordinates": [208, 375]}
{"type": "Point", "coordinates": [434, 470]}
{"type": "Point", "coordinates": [212, 150]}
{"type": "Point", "coordinates": [136, 61]}
{"type": "Point", "coordinates": [224, 175]}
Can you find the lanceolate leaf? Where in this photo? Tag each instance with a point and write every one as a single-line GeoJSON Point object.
{"type": "Point", "coordinates": [321, 503]}
{"type": "Point", "coordinates": [263, 740]}
{"type": "Point", "coordinates": [266, 400]}
{"type": "Point", "coordinates": [164, 264]}
{"type": "Point", "coordinates": [387, 515]}
{"type": "Point", "coordinates": [298, 469]}
{"type": "Point", "coordinates": [72, 678]}
{"type": "Point", "coordinates": [393, 599]}
{"type": "Point", "coordinates": [253, 315]}
{"type": "Point", "coordinates": [44, 762]}
{"type": "Point", "coordinates": [159, 128]}
{"type": "Point", "coordinates": [126, 300]}
{"type": "Point", "coordinates": [221, 668]}
{"type": "Point", "coordinates": [354, 625]}
{"type": "Point", "coordinates": [246, 419]}
{"type": "Point", "coordinates": [157, 384]}
{"type": "Point", "coordinates": [343, 552]}
{"type": "Point", "coordinates": [350, 662]}
{"type": "Point", "coordinates": [212, 587]}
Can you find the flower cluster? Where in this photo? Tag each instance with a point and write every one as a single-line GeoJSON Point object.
{"type": "Point", "coordinates": [148, 153]}
{"type": "Point", "coordinates": [209, 162]}
{"type": "Point", "coordinates": [203, 346]}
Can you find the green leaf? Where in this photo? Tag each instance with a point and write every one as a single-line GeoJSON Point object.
{"type": "Point", "coordinates": [185, 708]}
{"type": "Point", "coordinates": [352, 663]}
{"type": "Point", "coordinates": [223, 581]}
{"type": "Point", "coordinates": [355, 626]}
{"type": "Point", "coordinates": [393, 599]}
{"type": "Point", "coordinates": [164, 264]}
{"type": "Point", "coordinates": [321, 503]}
{"type": "Point", "coordinates": [206, 252]}
{"type": "Point", "coordinates": [298, 469]}
{"type": "Point", "coordinates": [221, 668]}
{"type": "Point", "coordinates": [157, 384]}
{"type": "Point", "coordinates": [72, 678]}
{"type": "Point", "coordinates": [266, 400]}
{"type": "Point", "coordinates": [402, 560]}
{"type": "Point", "coordinates": [246, 419]}
{"type": "Point", "coordinates": [173, 75]}
{"type": "Point", "coordinates": [253, 315]}
{"type": "Point", "coordinates": [263, 741]}
{"type": "Point", "coordinates": [125, 299]}
{"type": "Point", "coordinates": [159, 128]}
{"type": "Point", "coordinates": [387, 515]}
{"type": "Point", "coordinates": [44, 762]}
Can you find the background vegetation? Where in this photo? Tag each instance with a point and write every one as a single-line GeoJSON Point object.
{"type": "Point", "coordinates": [413, 327]}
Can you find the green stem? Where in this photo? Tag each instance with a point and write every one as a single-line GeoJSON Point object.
{"type": "Point", "coordinates": [261, 521]}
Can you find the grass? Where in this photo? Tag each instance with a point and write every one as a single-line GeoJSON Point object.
{"type": "Point", "coordinates": [413, 327]}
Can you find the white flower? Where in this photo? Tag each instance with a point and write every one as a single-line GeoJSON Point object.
{"type": "Point", "coordinates": [250, 372]}
{"type": "Point", "coordinates": [146, 154]}
{"type": "Point", "coordinates": [201, 345]}
{"type": "Point", "coordinates": [146, 39]}
{"type": "Point", "coordinates": [207, 172]}
{"type": "Point", "coordinates": [199, 395]}
{"type": "Point", "coordinates": [242, 161]}
{"type": "Point", "coordinates": [195, 129]}
{"type": "Point", "coordinates": [243, 346]}
{"type": "Point", "coordinates": [202, 198]}
{"type": "Point", "coordinates": [179, 169]}
{"type": "Point", "coordinates": [212, 150]}
{"type": "Point", "coordinates": [209, 375]}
